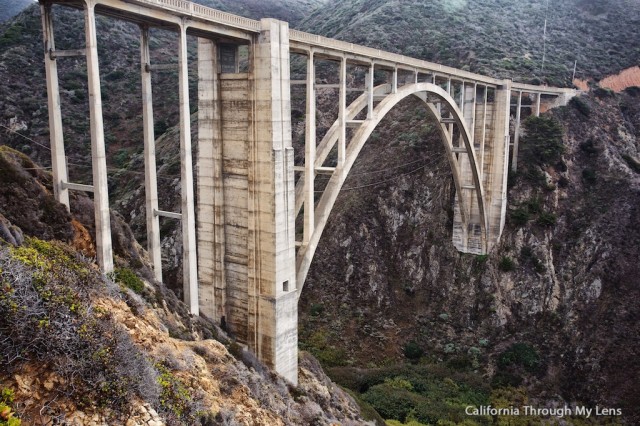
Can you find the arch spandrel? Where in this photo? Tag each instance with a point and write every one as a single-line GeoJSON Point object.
{"type": "Point", "coordinates": [362, 134]}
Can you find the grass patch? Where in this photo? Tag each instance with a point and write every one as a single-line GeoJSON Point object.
{"type": "Point", "coordinates": [129, 279]}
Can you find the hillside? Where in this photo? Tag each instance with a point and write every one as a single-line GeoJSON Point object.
{"type": "Point", "coordinates": [81, 348]}
{"type": "Point", "coordinates": [501, 38]}
{"type": "Point", "coordinates": [10, 8]}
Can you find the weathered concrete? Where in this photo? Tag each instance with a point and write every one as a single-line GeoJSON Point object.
{"type": "Point", "coordinates": [272, 275]}
{"type": "Point", "coordinates": [98, 156]}
{"type": "Point", "coordinates": [189, 265]}
{"type": "Point", "coordinates": [246, 274]}
{"type": "Point", "coordinates": [150, 175]}
{"type": "Point", "coordinates": [58, 159]}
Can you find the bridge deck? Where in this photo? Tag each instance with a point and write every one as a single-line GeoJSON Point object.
{"type": "Point", "coordinates": [204, 20]}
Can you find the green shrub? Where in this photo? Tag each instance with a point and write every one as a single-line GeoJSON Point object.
{"type": "Point", "coordinates": [520, 354]}
{"type": "Point", "coordinates": [176, 400]}
{"type": "Point", "coordinates": [129, 279]}
{"type": "Point", "coordinates": [590, 147]}
{"type": "Point", "coordinates": [412, 350]}
{"type": "Point", "coordinates": [506, 264]}
{"type": "Point", "coordinates": [547, 219]}
{"type": "Point", "coordinates": [542, 142]}
{"type": "Point", "coordinates": [633, 91]}
{"type": "Point", "coordinates": [46, 314]}
{"type": "Point", "coordinates": [603, 93]}
{"type": "Point", "coordinates": [581, 105]}
{"type": "Point", "coordinates": [526, 252]}
{"type": "Point", "coordinates": [316, 309]}
{"type": "Point", "coordinates": [520, 216]}
{"type": "Point", "coordinates": [504, 379]}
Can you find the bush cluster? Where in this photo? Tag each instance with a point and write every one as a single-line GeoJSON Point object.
{"type": "Point", "coordinates": [46, 315]}
{"type": "Point", "coordinates": [516, 361]}
{"type": "Point", "coordinates": [423, 394]}
{"type": "Point", "coordinates": [542, 142]}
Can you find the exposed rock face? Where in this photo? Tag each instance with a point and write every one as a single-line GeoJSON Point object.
{"type": "Point", "coordinates": [213, 376]}
{"type": "Point", "coordinates": [386, 273]}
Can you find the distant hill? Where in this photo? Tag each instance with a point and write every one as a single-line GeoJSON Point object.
{"type": "Point", "coordinates": [292, 11]}
{"type": "Point", "coordinates": [10, 8]}
{"type": "Point", "coordinates": [502, 38]}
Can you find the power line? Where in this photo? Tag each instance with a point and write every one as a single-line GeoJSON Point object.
{"type": "Point", "coordinates": [387, 180]}
{"type": "Point", "coordinates": [26, 137]}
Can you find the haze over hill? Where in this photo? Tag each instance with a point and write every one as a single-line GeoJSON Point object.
{"type": "Point", "coordinates": [10, 8]}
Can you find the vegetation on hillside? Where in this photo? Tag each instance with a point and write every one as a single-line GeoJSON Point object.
{"type": "Point", "coordinates": [10, 8]}
{"type": "Point", "coordinates": [501, 38]}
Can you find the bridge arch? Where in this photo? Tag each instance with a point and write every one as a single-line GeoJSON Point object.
{"type": "Point", "coordinates": [431, 95]}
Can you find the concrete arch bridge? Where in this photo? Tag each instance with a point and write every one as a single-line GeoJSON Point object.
{"type": "Point", "coordinates": [242, 263]}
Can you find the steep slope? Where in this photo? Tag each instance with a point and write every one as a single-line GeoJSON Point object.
{"type": "Point", "coordinates": [81, 348]}
{"type": "Point", "coordinates": [501, 38]}
{"type": "Point", "coordinates": [562, 283]}
{"type": "Point", "coordinates": [10, 8]}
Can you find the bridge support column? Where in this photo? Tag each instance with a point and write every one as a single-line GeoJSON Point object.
{"type": "Point", "coordinates": [310, 152]}
{"type": "Point", "coordinates": [98, 157]}
{"type": "Point", "coordinates": [273, 298]}
{"type": "Point", "coordinates": [58, 159]}
{"type": "Point", "coordinates": [342, 113]}
{"type": "Point", "coordinates": [211, 217]}
{"type": "Point", "coordinates": [150, 173]}
{"type": "Point", "coordinates": [189, 261]}
{"type": "Point", "coordinates": [497, 163]}
{"type": "Point", "coordinates": [468, 237]}
{"type": "Point", "coordinates": [516, 134]}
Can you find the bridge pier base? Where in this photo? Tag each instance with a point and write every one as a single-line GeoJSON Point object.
{"type": "Point", "coordinates": [246, 229]}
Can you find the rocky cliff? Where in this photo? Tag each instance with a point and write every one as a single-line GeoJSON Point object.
{"type": "Point", "coordinates": [562, 280]}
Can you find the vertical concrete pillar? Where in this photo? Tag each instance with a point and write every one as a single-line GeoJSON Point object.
{"type": "Point", "coordinates": [471, 238]}
{"type": "Point", "coordinates": [310, 152]}
{"type": "Point", "coordinates": [484, 133]}
{"type": "Point", "coordinates": [189, 261]}
{"type": "Point", "coordinates": [272, 291]}
{"type": "Point", "coordinates": [58, 160]}
{"type": "Point", "coordinates": [369, 88]}
{"type": "Point", "coordinates": [394, 80]}
{"type": "Point", "coordinates": [498, 163]}
{"type": "Point", "coordinates": [211, 233]}
{"type": "Point", "coordinates": [98, 157]}
{"type": "Point", "coordinates": [516, 134]}
{"type": "Point", "coordinates": [536, 110]}
{"type": "Point", "coordinates": [150, 173]}
{"type": "Point", "coordinates": [468, 99]}
{"type": "Point", "coordinates": [449, 91]}
{"type": "Point", "coordinates": [342, 112]}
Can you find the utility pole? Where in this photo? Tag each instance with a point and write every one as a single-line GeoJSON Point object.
{"type": "Point", "coordinates": [575, 64]}
{"type": "Point", "coordinates": [544, 36]}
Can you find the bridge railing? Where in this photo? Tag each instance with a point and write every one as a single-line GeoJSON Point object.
{"type": "Point", "coordinates": [199, 11]}
{"type": "Point", "coordinates": [195, 10]}
{"type": "Point", "coordinates": [317, 41]}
